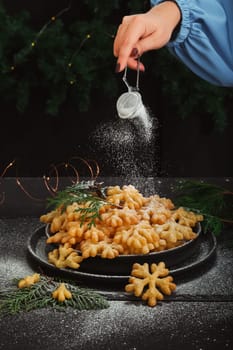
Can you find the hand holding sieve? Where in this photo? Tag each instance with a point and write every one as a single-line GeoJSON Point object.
{"type": "Point", "coordinates": [129, 104]}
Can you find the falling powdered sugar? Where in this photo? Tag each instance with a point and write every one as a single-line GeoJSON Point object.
{"type": "Point", "coordinates": [145, 120]}
{"type": "Point", "coordinates": [127, 147]}
{"type": "Point", "coordinates": [130, 106]}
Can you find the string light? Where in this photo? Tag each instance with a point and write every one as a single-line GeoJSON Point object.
{"type": "Point", "coordinates": [24, 52]}
{"type": "Point", "coordinates": [7, 167]}
{"type": "Point", "coordinates": [92, 167]}
{"type": "Point", "coordinates": [42, 30]}
{"type": "Point", "coordinates": [52, 19]}
{"type": "Point", "coordinates": [87, 37]}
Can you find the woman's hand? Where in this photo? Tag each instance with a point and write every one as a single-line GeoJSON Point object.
{"type": "Point", "coordinates": [143, 32]}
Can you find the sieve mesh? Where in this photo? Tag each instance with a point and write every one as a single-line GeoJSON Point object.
{"type": "Point", "coordinates": [129, 104]}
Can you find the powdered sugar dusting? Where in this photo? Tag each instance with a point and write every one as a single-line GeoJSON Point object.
{"type": "Point", "coordinates": [145, 121]}
{"type": "Point", "coordinates": [123, 326]}
{"type": "Point", "coordinates": [128, 147]}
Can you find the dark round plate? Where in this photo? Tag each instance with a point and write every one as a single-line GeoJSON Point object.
{"type": "Point", "coordinates": [122, 264]}
{"type": "Point", "coordinates": [190, 255]}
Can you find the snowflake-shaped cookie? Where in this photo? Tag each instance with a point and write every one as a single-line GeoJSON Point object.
{"type": "Point", "coordinates": [61, 293]}
{"type": "Point", "coordinates": [157, 282]}
{"type": "Point", "coordinates": [65, 256]}
{"type": "Point", "coordinates": [186, 218]}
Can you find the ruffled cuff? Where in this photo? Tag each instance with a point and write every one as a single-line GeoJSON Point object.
{"type": "Point", "coordinates": [185, 24]}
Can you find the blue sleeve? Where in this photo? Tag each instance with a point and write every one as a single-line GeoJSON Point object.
{"type": "Point", "coordinates": [204, 42]}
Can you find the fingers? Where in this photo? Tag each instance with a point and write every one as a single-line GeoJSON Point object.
{"type": "Point", "coordinates": [132, 64]}
{"type": "Point", "coordinates": [123, 34]}
{"type": "Point", "coordinates": [143, 32]}
{"type": "Point", "coordinates": [127, 45]}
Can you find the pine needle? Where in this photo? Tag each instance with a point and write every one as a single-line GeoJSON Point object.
{"type": "Point", "coordinates": [89, 193]}
{"type": "Point", "coordinates": [215, 203]}
{"type": "Point", "coordinates": [39, 295]}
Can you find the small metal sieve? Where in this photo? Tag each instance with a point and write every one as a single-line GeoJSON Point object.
{"type": "Point", "coordinates": [129, 104]}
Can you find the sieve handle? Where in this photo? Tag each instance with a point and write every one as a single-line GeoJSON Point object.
{"type": "Point", "coordinates": [130, 88]}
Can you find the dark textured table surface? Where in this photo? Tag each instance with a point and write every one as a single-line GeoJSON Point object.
{"type": "Point", "coordinates": [198, 315]}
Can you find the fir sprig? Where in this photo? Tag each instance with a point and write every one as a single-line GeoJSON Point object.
{"type": "Point", "coordinates": [214, 202]}
{"type": "Point", "coordinates": [89, 193]}
{"type": "Point", "coordinates": [39, 295]}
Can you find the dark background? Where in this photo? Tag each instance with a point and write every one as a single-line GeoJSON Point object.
{"type": "Point", "coordinates": [182, 147]}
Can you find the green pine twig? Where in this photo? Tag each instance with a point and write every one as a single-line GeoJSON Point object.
{"type": "Point", "coordinates": [214, 202]}
{"type": "Point", "coordinates": [39, 295]}
{"type": "Point", "coordinates": [88, 193]}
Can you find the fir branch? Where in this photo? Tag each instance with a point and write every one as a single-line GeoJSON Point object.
{"type": "Point", "coordinates": [213, 224]}
{"type": "Point", "coordinates": [214, 202]}
{"type": "Point", "coordinates": [81, 192]}
{"type": "Point", "coordinates": [89, 193]}
{"type": "Point", "coordinates": [39, 295]}
{"type": "Point", "coordinates": [91, 213]}
{"type": "Point", "coordinates": [84, 299]}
